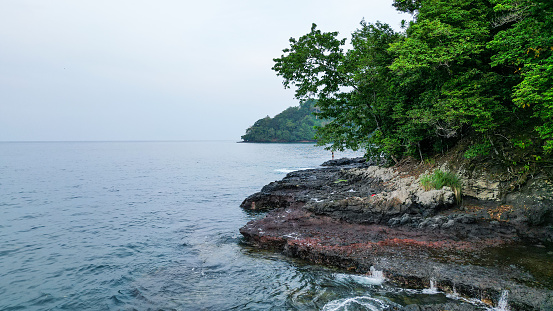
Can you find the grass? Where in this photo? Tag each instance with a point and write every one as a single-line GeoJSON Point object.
{"type": "Point", "coordinates": [440, 179]}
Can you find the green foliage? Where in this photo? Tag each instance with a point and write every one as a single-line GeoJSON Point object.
{"type": "Point", "coordinates": [461, 67]}
{"type": "Point", "coordinates": [292, 125]}
{"type": "Point", "coordinates": [351, 88]}
{"type": "Point", "coordinates": [476, 150]}
{"type": "Point", "coordinates": [312, 64]}
{"type": "Point", "coordinates": [426, 182]}
{"type": "Point", "coordinates": [522, 143]}
{"type": "Point", "coordinates": [407, 6]}
{"type": "Point", "coordinates": [524, 46]}
{"type": "Point", "coordinates": [440, 179]}
{"type": "Point", "coordinates": [444, 60]}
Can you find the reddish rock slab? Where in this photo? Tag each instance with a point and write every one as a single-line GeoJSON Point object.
{"type": "Point", "coordinates": [409, 257]}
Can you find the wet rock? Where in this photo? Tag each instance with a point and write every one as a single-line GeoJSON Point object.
{"type": "Point", "coordinates": [408, 257]}
{"type": "Point", "coordinates": [441, 307]}
{"type": "Point", "coordinates": [354, 217]}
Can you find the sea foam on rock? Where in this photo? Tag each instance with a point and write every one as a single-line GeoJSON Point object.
{"type": "Point", "coordinates": [357, 216]}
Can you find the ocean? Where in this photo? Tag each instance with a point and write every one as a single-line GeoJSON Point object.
{"type": "Point", "coordinates": [154, 226]}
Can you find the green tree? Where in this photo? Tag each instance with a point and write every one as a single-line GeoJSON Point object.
{"type": "Point", "coordinates": [477, 68]}
{"type": "Point", "coordinates": [407, 6]}
{"type": "Point", "coordinates": [524, 47]}
{"type": "Point", "coordinates": [448, 84]}
{"type": "Point", "coordinates": [317, 66]}
{"type": "Point", "coordinates": [292, 124]}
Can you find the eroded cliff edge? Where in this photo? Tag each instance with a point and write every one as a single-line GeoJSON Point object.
{"type": "Point", "coordinates": [355, 215]}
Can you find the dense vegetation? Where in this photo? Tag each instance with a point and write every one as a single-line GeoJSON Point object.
{"type": "Point", "coordinates": [478, 71]}
{"type": "Point", "coordinates": [292, 125]}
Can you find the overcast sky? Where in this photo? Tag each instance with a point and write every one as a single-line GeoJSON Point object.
{"type": "Point", "coordinates": [154, 70]}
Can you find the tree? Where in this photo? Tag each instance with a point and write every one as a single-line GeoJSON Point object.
{"type": "Point", "coordinates": [477, 68]}
{"type": "Point", "coordinates": [449, 84]}
{"type": "Point", "coordinates": [317, 66]}
{"type": "Point", "coordinates": [407, 6]}
{"type": "Point", "coordinates": [293, 124]}
{"type": "Point", "coordinates": [524, 46]}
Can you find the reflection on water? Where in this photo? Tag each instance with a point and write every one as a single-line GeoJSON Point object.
{"type": "Point", "coordinates": [537, 260]}
{"type": "Point", "coordinates": [534, 260]}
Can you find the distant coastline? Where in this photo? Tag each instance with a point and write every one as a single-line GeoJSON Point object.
{"type": "Point", "coordinates": [295, 124]}
{"type": "Point", "coordinates": [279, 142]}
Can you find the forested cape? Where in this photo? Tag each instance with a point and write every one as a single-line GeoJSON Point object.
{"type": "Point", "coordinates": [478, 72]}
{"type": "Point", "coordinates": [292, 125]}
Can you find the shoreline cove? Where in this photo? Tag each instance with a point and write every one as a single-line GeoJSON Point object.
{"type": "Point", "coordinates": [362, 218]}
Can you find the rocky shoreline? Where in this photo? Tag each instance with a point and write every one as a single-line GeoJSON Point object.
{"type": "Point", "coordinates": [354, 215]}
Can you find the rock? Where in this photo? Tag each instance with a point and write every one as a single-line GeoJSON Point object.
{"type": "Point", "coordinates": [440, 307]}
{"type": "Point", "coordinates": [425, 223]}
{"type": "Point", "coordinates": [408, 257]}
{"type": "Point", "coordinates": [467, 219]}
{"type": "Point", "coordinates": [440, 220]}
{"type": "Point", "coordinates": [345, 161]}
{"type": "Point", "coordinates": [479, 185]}
{"type": "Point", "coordinates": [353, 217]}
{"type": "Point", "coordinates": [448, 224]}
{"type": "Point", "coordinates": [434, 199]}
{"type": "Point", "coordinates": [411, 308]}
{"type": "Point", "coordinates": [394, 222]}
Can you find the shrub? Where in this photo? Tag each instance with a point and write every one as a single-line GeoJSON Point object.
{"type": "Point", "coordinates": [440, 179]}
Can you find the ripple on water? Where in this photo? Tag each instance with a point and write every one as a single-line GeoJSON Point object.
{"type": "Point", "coordinates": [154, 226]}
{"type": "Point", "coordinates": [357, 303]}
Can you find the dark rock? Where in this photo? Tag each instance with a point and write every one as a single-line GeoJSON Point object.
{"type": "Point", "coordinates": [467, 219]}
{"type": "Point", "coordinates": [345, 161]}
{"type": "Point", "coordinates": [441, 307]}
{"type": "Point", "coordinates": [394, 222]}
{"type": "Point", "coordinates": [357, 217]}
{"type": "Point", "coordinates": [448, 224]}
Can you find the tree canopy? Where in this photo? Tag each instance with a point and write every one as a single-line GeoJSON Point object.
{"type": "Point", "coordinates": [292, 125]}
{"type": "Point", "coordinates": [460, 68]}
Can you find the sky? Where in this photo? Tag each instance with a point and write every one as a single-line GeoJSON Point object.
{"type": "Point", "coordinates": [103, 70]}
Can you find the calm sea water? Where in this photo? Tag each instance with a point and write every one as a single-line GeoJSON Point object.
{"type": "Point", "coordinates": [154, 226]}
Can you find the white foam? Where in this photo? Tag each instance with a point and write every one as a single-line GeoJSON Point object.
{"type": "Point", "coordinates": [368, 303]}
{"type": "Point", "coordinates": [472, 301]}
{"type": "Point", "coordinates": [290, 170]}
{"type": "Point", "coordinates": [377, 273]}
{"type": "Point", "coordinates": [292, 235]}
{"type": "Point", "coordinates": [502, 304]}
{"type": "Point", "coordinates": [433, 289]}
{"type": "Point", "coordinates": [375, 278]}
{"type": "Point", "coordinates": [367, 280]}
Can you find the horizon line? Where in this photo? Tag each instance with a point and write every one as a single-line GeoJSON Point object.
{"type": "Point", "coordinates": [114, 141]}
